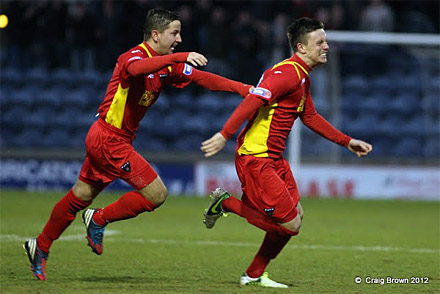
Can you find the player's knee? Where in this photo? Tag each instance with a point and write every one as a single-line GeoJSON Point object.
{"type": "Point", "coordinates": [156, 192]}
{"type": "Point", "coordinates": [161, 196]}
{"type": "Point", "coordinates": [294, 225]}
{"type": "Point", "coordinates": [301, 214]}
{"type": "Point", "coordinates": [85, 191]}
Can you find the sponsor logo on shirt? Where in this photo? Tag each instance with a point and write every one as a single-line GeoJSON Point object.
{"type": "Point", "coordinates": [265, 93]}
{"type": "Point", "coordinates": [187, 70]}
{"type": "Point", "coordinates": [136, 51]}
{"type": "Point", "coordinates": [150, 76]}
{"type": "Point", "coordinates": [303, 81]}
{"type": "Point", "coordinates": [146, 99]}
{"type": "Point", "coordinates": [278, 72]}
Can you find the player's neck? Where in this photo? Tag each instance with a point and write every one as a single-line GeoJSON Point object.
{"type": "Point", "coordinates": [306, 60]}
{"type": "Point", "coordinates": [153, 45]}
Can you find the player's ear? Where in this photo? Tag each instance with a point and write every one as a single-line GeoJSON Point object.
{"type": "Point", "coordinates": [301, 48]}
{"type": "Point", "coordinates": [155, 35]}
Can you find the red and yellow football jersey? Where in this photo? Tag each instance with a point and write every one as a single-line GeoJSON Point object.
{"type": "Point", "coordinates": [285, 88]}
{"type": "Point", "coordinates": [128, 97]}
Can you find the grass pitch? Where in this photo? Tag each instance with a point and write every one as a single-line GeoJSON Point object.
{"type": "Point", "coordinates": [170, 251]}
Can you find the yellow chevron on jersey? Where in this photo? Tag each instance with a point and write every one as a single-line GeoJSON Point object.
{"type": "Point", "coordinates": [149, 54]}
{"type": "Point", "coordinates": [255, 140]}
{"type": "Point", "coordinates": [295, 64]}
{"type": "Point", "coordinates": [115, 114]}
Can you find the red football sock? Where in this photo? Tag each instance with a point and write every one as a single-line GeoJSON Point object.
{"type": "Point", "coordinates": [272, 245]}
{"type": "Point", "coordinates": [63, 213]}
{"type": "Point", "coordinates": [128, 206]}
{"type": "Point", "coordinates": [254, 217]}
{"type": "Point", "coordinates": [233, 205]}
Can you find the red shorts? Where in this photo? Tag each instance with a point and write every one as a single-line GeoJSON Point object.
{"type": "Point", "coordinates": [268, 186]}
{"type": "Point", "coordinates": [110, 155]}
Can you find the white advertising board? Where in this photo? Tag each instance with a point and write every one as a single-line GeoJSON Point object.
{"type": "Point", "coordinates": [335, 181]}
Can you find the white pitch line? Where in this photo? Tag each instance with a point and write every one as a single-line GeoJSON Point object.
{"type": "Point", "coordinates": [81, 237]}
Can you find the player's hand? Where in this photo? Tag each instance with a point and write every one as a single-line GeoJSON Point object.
{"type": "Point", "coordinates": [213, 145]}
{"type": "Point", "coordinates": [196, 59]}
{"type": "Point", "coordinates": [360, 148]}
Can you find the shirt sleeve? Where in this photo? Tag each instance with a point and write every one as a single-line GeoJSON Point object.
{"type": "Point", "coordinates": [183, 75]}
{"type": "Point", "coordinates": [276, 83]}
{"type": "Point", "coordinates": [314, 121]}
{"type": "Point", "coordinates": [143, 66]}
{"type": "Point", "coordinates": [244, 111]}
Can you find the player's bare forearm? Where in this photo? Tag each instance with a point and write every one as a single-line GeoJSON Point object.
{"type": "Point", "coordinates": [213, 145]}
{"type": "Point", "coordinates": [359, 147]}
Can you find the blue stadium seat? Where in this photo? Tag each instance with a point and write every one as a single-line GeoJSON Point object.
{"type": "Point", "coordinates": [432, 147]}
{"type": "Point", "coordinates": [14, 117]}
{"type": "Point", "coordinates": [409, 84]}
{"type": "Point", "coordinates": [230, 102]}
{"type": "Point", "coordinates": [322, 105]}
{"type": "Point", "coordinates": [352, 102]}
{"type": "Point", "coordinates": [162, 104]}
{"type": "Point", "coordinates": [210, 103]}
{"type": "Point", "coordinates": [89, 78]}
{"type": "Point", "coordinates": [11, 76]}
{"type": "Point", "coordinates": [51, 97]}
{"type": "Point", "coordinates": [198, 124]}
{"type": "Point", "coordinates": [392, 126]}
{"type": "Point", "coordinates": [382, 146]}
{"type": "Point", "coordinates": [409, 147]}
{"type": "Point", "coordinates": [374, 102]}
{"type": "Point", "coordinates": [405, 104]}
{"type": "Point", "coordinates": [355, 84]}
{"type": "Point", "coordinates": [57, 138]}
{"type": "Point", "coordinates": [364, 125]}
{"type": "Point", "coordinates": [184, 101]}
{"type": "Point", "coordinates": [25, 96]}
{"type": "Point", "coordinates": [77, 138]}
{"type": "Point", "coordinates": [63, 77]}
{"type": "Point", "coordinates": [382, 84]}
{"type": "Point", "coordinates": [188, 143]}
{"type": "Point", "coordinates": [415, 126]}
{"type": "Point", "coordinates": [37, 76]}
{"type": "Point", "coordinates": [145, 142]}
{"type": "Point", "coordinates": [78, 98]}
{"type": "Point", "coordinates": [28, 138]}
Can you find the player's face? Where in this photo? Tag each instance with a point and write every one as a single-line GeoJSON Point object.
{"type": "Point", "coordinates": [169, 39]}
{"type": "Point", "coordinates": [316, 47]}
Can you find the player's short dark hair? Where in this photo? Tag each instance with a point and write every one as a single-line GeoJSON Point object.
{"type": "Point", "coordinates": [298, 29]}
{"type": "Point", "coordinates": [158, 19]}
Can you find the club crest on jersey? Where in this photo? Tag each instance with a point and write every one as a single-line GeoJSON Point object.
{"type": "Point", "coordinates": [264, 93]}
{"type": "Point", "coordinates": [126, 167]}
{"type": "Point", "coordinates": [188, 69]}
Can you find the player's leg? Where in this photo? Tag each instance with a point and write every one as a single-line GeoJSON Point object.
{"type": "Point", "coordinates": [273, 194]}
{"type": "Point", "coordinates": [150, 193]}
{"type": "Point", "coordinates": [63, 213]}
{"type": "Point", "coordinates": [133, 203]}
{"type": "Point", "coordinates": [255, 274]}
{"type": "Point", "coordinates": [127, 206]}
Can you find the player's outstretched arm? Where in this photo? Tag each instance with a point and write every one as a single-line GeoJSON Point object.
{"type": "Point", "coordinates": [213, 145]}
{"type": "Point", "coordinates": [360, 148]}
{"type": "Point", "coordinates": [155, 63]}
